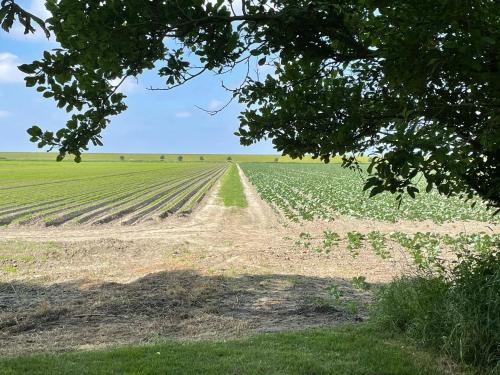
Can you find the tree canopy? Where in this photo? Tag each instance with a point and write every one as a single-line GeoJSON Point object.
{"type": "Point", "coordinates": [416, 84]}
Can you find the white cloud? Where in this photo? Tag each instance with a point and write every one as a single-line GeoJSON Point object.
{"type": "Point", "coordinates": [8, 68]}
{"type": "Point", "coordinates": [183, 114]}
{"type": "Point", "coordinates": [37, 7]}
{"type": "Point", "coordinates": [215, 105]}
{"type": "Point", "coordinates": [129, 86]}
{"type": "Point", "coordinates": [4, 114]}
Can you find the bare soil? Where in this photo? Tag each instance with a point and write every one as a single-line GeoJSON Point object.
{"type": "Point", "coordinates": [216, 273]}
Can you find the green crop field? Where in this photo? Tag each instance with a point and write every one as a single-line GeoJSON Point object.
{"type": "Point", "coordinates": [55, 193]}
{"type": "Point", "coordinates": [324, 191]}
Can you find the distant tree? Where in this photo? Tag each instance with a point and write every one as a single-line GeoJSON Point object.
{"type": "Point", "coordinates": [122, 158]}
{"type": "Point", "coordinates": [162, 157]}
{"type": "Point", "coordinates": [202, 158]}
{"type": "Point", "coordinates": [180, 158]}
{"type": "Point", "coordinates": [229, 158]}
{"type": "Point", "coordinates": [276, 160]}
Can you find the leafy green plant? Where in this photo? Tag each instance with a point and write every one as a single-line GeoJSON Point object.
{"type": "Point", "coordinates": [304, 240]}
{"type": "Point", "coordinates": [456, 311]}
{"type": "Point", "coordinates": [330, 240]}
{"type": "Point", "coordinates": [423, 247]}
{"type": "Point", "coordinates": [378, 243]}
{"type": "Point", "coordinates": [354, 243]}
{"type": "Point", "coordinates": [359, 282]}
{"type": "Point", "coordinates": [334, 291]}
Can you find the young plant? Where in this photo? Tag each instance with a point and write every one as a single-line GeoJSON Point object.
{"type": "Point", "coordinates": [304, 240]}
{"type": "Point", "coordinates": [377, 240]}
{"type": "Point", "coordinates": [423, 247]}
{"type": "Point", "coordinates": [330, 239]}
{"type": "Point", "coordinates": [334, 291]}
{"type": "Point", "coordinates": [359, 282]}
{"type": "Point", "coordinates": [354, 242]}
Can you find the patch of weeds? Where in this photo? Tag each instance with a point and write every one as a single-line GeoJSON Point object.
{"type": "Point", "coordinates": [334, 291]}
{"type": "Point", "coordinates": [9, 269]}
{"type": "Point", "coordinates": [354, 243]}
{"type": "Point", "coordinates": [20, 258]}
{"type": "Point", "coordinates": [359, 282]}
{"type": "Point", "coordinates": [232, 271]}
{"type": "Point", "coordinates": [351, 307]}
{"type": "Point", "coordinates": [319, 304]}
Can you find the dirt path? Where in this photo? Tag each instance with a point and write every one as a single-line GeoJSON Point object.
{"type": "Point", "coordinates": [219, 272]}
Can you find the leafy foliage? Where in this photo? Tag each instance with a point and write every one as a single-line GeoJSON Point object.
{"type": "Point", "coordinates": [459, 314]}
{"type": "Point", "coordinates": [341, 81]}
{"type": "Point", "coordinates": [9, 11]}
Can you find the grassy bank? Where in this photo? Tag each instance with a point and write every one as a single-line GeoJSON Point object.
{"type": "Point", "coordinates": [353, 350]}
{"type": "Point", "coordinates": [231, 190]}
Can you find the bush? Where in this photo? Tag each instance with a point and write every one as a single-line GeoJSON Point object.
{"type": "Point", "coordinates": [457, 312]}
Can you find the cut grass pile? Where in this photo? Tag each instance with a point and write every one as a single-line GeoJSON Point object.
{"type": "Point", "coordinates": [231, 190]}
{"type": "Point", "coordinates": [354, 350]}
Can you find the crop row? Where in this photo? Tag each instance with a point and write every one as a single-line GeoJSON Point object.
{"type": "Point", "coordinates": [425, 249]}
{"type": "Point", "coordinates": [307, 192]}
{"type": "Point", "coordinates": [127, 197]}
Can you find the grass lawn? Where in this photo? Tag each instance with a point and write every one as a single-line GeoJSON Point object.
{"type": "Point", "coordinates": [349, 350]}
{"type": "Point", "coordinates": [231, 190]}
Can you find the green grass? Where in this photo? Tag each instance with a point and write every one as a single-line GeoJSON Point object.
{"type": "Point", "coordinates": [231, 190]}
{"type": "Point", "coordinates": [87, 157]}
{"type": "Point", "coordinates": [353, 350]}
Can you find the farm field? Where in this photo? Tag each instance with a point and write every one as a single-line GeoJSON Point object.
{"type": "Point", "coordinates": [88, 263]}
{"type": "Point", "coordinates": [52, 193]}
{"type": "Point", "coordinates": [89, 157]}
{"type": "Point", "coordinates": [308, 192]}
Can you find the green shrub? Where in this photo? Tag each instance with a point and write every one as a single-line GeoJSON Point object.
{"type": "Point", "coordinates": [457, 312]}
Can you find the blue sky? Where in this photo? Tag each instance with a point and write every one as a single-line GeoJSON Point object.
{"type": "Point", "coordinates": [156, 122]}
